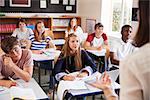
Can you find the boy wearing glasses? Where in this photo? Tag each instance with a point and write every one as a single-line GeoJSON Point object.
{"type": "Point", "coordinates": [15, 63]}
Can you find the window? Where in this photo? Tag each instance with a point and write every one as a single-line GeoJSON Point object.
{"type": "Point", "coordinates": [114, 14]}
{"type": "Point", "coordinates": [121, 14]}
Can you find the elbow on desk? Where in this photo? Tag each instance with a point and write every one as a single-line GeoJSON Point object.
{"type": "Point", "coordinates": [27, 79]}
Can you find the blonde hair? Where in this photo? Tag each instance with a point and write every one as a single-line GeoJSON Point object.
{"type": "Point", "coordinates": [66, 51]}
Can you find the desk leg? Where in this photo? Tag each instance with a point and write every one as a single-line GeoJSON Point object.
{"type": "Point", "coordinates": [39, 73]}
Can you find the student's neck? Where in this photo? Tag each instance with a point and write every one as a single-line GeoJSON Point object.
{"type": "Point", "coordinates": [23, 29]}
{"type": "Point", "coordinates": [98, 35]}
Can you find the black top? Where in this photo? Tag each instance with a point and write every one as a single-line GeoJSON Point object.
{"type": "Point", "coordinates": [68, 63]}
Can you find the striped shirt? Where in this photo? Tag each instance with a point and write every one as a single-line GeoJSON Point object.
{"type": "Point", "coordinates": [36, 45]}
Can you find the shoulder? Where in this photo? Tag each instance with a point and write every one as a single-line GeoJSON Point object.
{"type": "Point", "coordinates": [104, 36]}
{"type": "Point", "coordinates": [26, 52]}
{"type": "Point", "coordinates": [139, 59]}
{"type": "Point", "coordinates": [90, 37]}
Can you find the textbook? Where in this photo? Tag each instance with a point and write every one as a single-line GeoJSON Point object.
{"type": "Point", "coordinates": [22, 93]}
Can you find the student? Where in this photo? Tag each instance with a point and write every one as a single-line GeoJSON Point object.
{"type": "Point", "coordinates": [126, 48]}
{"type": "Point", "coordinates": [134, 69]}
{"type": "Point", "coordinates": [74, 28]}
{"type": "Point", "coordinates": [40, 39]}
{"type": "Point", "coordinates": [23, 33]}
{"type": "Point", "coordinates": [15, 63]}
{"type": "Point", "coordinates": [96, 40]}
{"type": "Point", "coordinates": [73, 59]}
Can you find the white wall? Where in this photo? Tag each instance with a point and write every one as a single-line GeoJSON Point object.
{"type": "Point", "coordinates": [89, 9]}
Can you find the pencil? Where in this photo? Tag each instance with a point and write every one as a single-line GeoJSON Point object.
{"type": "Point", "coordinates": [14, 81]}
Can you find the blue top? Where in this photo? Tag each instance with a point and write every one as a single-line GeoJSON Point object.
{"type": "Point", "coordinates": [35, 45]}
{"type": "Point", "coordinates": [68, 64]}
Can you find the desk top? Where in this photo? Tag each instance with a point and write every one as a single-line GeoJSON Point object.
{"type": "Point", "coordinates": [39, 93]}
{"type": "Point", "coordinates": [98, 53]}
{"type": "Point", "coordinates": [58, 41]}
{"type": "Point", "coordinates": [49, 54]}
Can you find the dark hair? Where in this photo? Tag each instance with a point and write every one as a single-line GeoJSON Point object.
{"type": "Point", "coordinates": [124, 27]}
{"type": "Point", "coordinates": [69, 25]}
{"type": "Point", "coordinates": [21, 20]}
{"type": "Point", "coordinates": [98, 25]}
{"type": "Point", "coordinates": [8, 43]}
{"type": "Point", "coordinates": [36, 33]}
{"type": "Point", "coordinates": [142, 35]}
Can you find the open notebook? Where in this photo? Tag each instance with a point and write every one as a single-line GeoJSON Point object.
{"type": "Point", "coordinates": [22, 93]}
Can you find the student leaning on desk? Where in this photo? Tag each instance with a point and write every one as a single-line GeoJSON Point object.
{"type": "Point", "coordinates": [73, 59]}
{"type": "Point", "coordinates": [15, 62]}
{"type": "Point", "coordinates": [41, 39]}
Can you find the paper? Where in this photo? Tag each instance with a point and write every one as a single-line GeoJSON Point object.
{"type": "Point", "coordinates": [68, 85]}
{"type": "Point", "coordinates": [54, 1]}
{"type": "Point", "coordinates": [72, 2]}
{"type": "Point", "coordinates": [23, 93]}
{"type": "Point", "coordinates": [42, 3]}
{"type": "Point", "coordinates": [68, 8]}
{"type": "Point", "coordinates": [65, 2]}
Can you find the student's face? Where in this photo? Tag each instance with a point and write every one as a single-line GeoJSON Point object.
{"type": "Point", "coordinates": [127, 33]}
{"type": "Point", "coordinates": [40, 27]}
{"type": "Point", "coordinates": [74, 43]}
{"type": "Point", "coordinates": [22, 25]}
{"type": "Point", "coordinates": [99, 30]}
{"type": "Point", "coordinates": [73, 22]}
{"type": "Point", "coordinates": [15, 53]}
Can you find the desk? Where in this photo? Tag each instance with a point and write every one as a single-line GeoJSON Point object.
{"type": "Point", "coordinates": [45, 61]}
{"type": "Point", "coordinates": [58, 42]}
{"type": "Point", "coordinates": [39, 93]}
{"type": "Point", "coordinates": [99, 56]}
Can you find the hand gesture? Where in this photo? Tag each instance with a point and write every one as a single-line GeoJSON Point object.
{"type": "Point", "coordinates": [103, 83]}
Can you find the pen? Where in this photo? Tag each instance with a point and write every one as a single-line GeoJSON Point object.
{"type": "Point", "coordinates": [14, 81]}
{"type": "Point", "coordinates": [67, 71]}
{"type": "Point", "coordinates": [46, 54]}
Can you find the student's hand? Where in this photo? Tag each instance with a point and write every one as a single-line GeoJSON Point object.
{"type": "Point", "coordinates": [8, 61]}
{"type": "Point", "coordinates": [99, 48]}
{"type": "Point", "coordinates": [104, 83]}
{"type": "Point", "coordinates": [8, 83]}
{"type": "Point", "coordinates": [68, 78]}
{"type": "Point", "coordinates": [82, 74]}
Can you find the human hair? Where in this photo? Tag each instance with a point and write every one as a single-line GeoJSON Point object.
{"type": "Point", "coordinates": [125, 27]}
{"type": "Point", "coordinates": [98, 25]}
{"type": "Point", "coordinates": [8, 43]}
{"type": "Point", "coordinates": [20, 20]}
{"type": "Point", "coordinates": [66, 51]}
{"type": "Point", "coordinates": [142, 35]}
{"type": "Point", "coordinates": [69, 25]}
{"type": "Point", "coordinates": [36, 32]}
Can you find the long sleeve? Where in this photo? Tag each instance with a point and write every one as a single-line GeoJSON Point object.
{"type": "Point", "coordinates": [87, 61]}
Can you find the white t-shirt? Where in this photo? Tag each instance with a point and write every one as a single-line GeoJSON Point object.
{"type": "Point", "coordinates": [97, 42]}
{"type": "Point", "coordinates": [22, 35]}
{"type": "Point", "coordinates": [124, 50]}
{"type": "Point", "coordinates": [78, 32]}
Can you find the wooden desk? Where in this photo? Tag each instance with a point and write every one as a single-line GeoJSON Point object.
{"type": "Point", "coordinates": [39, 93]}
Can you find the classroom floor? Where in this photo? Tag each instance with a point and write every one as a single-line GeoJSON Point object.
{"type": "Point", "coordinates": [45, 79]}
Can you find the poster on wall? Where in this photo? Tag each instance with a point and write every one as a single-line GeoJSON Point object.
{"type": "Point", "coordinates": [90, 23]}
{"type": "Point", "coordinates": [134, 14]}
{"type": "Point", "coordinates": [20, 3]}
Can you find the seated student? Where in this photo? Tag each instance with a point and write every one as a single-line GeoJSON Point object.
{"type": "Point", "coordinates": [23, 33]}
{"type": "Point", "coordinates": [73, 59]}
{"type": "Point", "coordinates": [96, 40]}
{"type": "Point", "coordinates": [126, 48]}
{"type": "Point", "coordinates": [40, 39]}
{"type": "Point", "coordinates": [15, 63]}
{"type": "Point", "coordinates": [74, 28]}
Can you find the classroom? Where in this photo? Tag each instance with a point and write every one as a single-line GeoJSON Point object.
{"type": "Point", "coordinates": [74, 50]}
